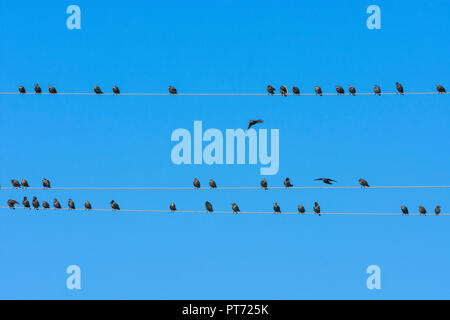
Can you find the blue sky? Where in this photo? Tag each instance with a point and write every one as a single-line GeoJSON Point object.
{"type": "Point", "coordinates": [214, 47]}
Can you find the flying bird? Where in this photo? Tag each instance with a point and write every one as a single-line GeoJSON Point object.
{"type": "Point", "coordinates": [172, 90]}
{"type": "Point", "coordinates": [340, 90]}
{"type": "Point", "coordinates": [363, 183]}
{"type": "Point", "coordinates": [46, 183]}
{"type": "Point", "coordinates": [264, 184]}
{"type": "Point", "coordinates": [405, 210]}
{"type": "Point", "coordinates": [45, 205]}
{"type": "Point", "coordinates": [52, 90]}
{"type": "Point", "coordinates": [26, 203]}
{"type": "Point", "coordinates": [301, 209]}
{"type": "Point", "coordinates": [35, 203]}
{"type": "Point", "coordinates": [116, 90]}
{"type": "Point", "coordinates": [284, 91]}
{"type": "Point", "coordinates": [22, 89]}
{"type": "Point", "coordinates": [270, 89]}
{"type": "Point", "coordinates": [24, 183]}
{"type": "Point", "coordinates": [11, 203]}
{"type": "Point", "coordinates": [318, 91]}
{"type": "Point", "coordinates": [196, 183]}
{"type": "Point", "coordinates": [352, 90]}
{"type": "Point", "coordinates": [440, 89]}
{"type": "Point", "coordinates": [325, 180]}
{"type": "Point", "coordinates": [71, 204]}
{"type": "Point", "coordinates": [235, 208]}
{"type": "Point", "coordinates": [15, 183]}
{"type": "Point", "coordinates": [437, 210]}
{"type": "Point", "coordinates": [296, 90]}
{"type": "Point", "coordinates": [399, 88]}
{"type": "Point", "coordinates": [377, 90]}
{"type": "Point", "coordinates": [173, 207]}
{"type": "Point", "coordinates": [208, 206]}
{"type": "Point", "coordinates": [37, 89]}
{"type": "Point", "coordinates": [87, 205]}
{"type": "Point", "coordinates": [212, 184]}
{"type": "Point", "coordinates": [251, 123]}
{"type": "Point", "coordinates": [97, 90]}
{"type": "Point", "coordinates": [422, 210]}
{"type": "Point", "coordinates": [114, 205]}
{"type": "Point", "coordinates": [287, 183]}
{"type": "Point", "coordinates": [276, 208]}
{"type": "Point", "coordinates": [316, 208]}
{"type": "Point", "coordinates": [56, 204]}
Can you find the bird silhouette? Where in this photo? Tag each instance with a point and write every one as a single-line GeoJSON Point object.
{"type": "Point", "coordinates": [270, 89]}
{"type": "Point", "coordinates": [340, 90]}
{"type": "Point", "coordinates": [287, 183]}
{"type": "Point", "coordinates": [97, 90]}
{"type": "Point", "coordinates": [208, 206]}
{"type": "Point", "coordinates": [440, 89]}
{"type": "Point", "coordinates": [422, 210]}
{"type": "Point", "coordinates": [87, 205]}
{"type": "Point", "coordinates": [12, 203]}
{"type": "Point", "coordinates": [301, 209]}
{"type": "Point", "coordinates": [325, 180]}
{"type": "Point", "coordinates": [22, 89]}
{"type": "Point", "coordinates": [37, 89]}
{"type": "Point", "coordinates": [296, 90]}
{"type": "Point", "coordinates": [264, 184]}
{"type": "Point", "coordinates": [15, 183]}
{"type": "Point", "coordinates": [212, 184]}
{"type": "Point", "coordinates": [173, 207]}
{"type": "Point", "coordinates": [399, 88]}
{"type": "Point", "coordinates": [284, 91]}
{"type": "Point", "coordinates": [56, 204]}
{"type": "Point", "coordinates": [377, 90]}
{"type": "Point", "coordinates": [235, 208]}
{"type": "Point", "coordinates": [437, 210]}
{"type": "Point", "coordinates": [46, 183]}
{"type": "Point", "coordinates": [116, 90]}
{"type": "Point", "coordinates": [71, 204]}
{"type": "Point", "coordinates": [35, 203]}
{"type": "Point", "coordinates": [405, 210]}
{"type": "Point", "coordinates": [352, 90]}
{"type": "Point", "coordinates": [318, 90]}
{"type": "Point", "coordinates": [114, 205]}
{"type": "Point", "coordinates": [196, 183]}
{"type": "Point", "coordinates": [172, 90]}
{"type": "Point", "coordinates": [26, 203]}
{"type": "Point", "coordinates": [52, 90]}
{"type": "Point", "coordinates": [276, 208]}
{"type": "Point", "coordinates": [24, 183]}
{"type": "Point", "coordinates": [316, 208]}
{"type": "Point", "coordinates": [363, 183]}
{"type": "Point", "coordinates": [45, 205]}
{"type": "Point", "coordinates": [251, 123]}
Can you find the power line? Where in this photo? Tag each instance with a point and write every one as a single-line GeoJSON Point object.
{"type": "Point", "coordinates": [213, 94]}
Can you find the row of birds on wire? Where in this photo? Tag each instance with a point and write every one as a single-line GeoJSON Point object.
{"type": "Point", "coordinates": [270, 90]}
{"type": "Point", "coordinates": [56, 204]}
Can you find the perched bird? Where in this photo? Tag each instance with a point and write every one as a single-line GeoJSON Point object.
{"type": "Point", "coordinates": [316, 208]}
{"type": "Point", "coordinates": [172, 207]}
{"type": "Point", "coordinates": [116, 90]}
{"type": "Point", "coordinates": [325, 180]}
{"type": "Point", "coordinates": [97, 90]}
{"type": "Point", "coordinates": [377, 90]}
{"type": "Point", "coordinates": [22, 89]}
{"type": "Point", "coordinates": [287, 183]}
{"type": "Point", "coordinates": [296, 90]}
{"type": "Point", "coordinates": [251, 123]}
{"type": "Point", "coordinates": [399, 88]}
{"type": "Point", "coordinates": [405, 210]}
{"type": "Point", "coordinates": [284, 91]}
{"type": "Point", "coordinates": [352, 90]}
{"type": "Point", "coordinates": [35, 203]}
{"type": "Point", "coordinates": [71, 204]}
{"type": "Point", "coordinates": [270, 89]}
{"type": "Point", "coordinates": [212, 184]}
{"type": "Point", "coordinates": [45, 205]}
{"type": "Point", "coordinates": [363, 183]}
{"type": "Point", "coordinates": [37, 89]}
{"type": "Point", "coordinates": [235, 208]}
{"type": "Point", "coordinates": [15, 183]}
{"type": "Point", "coordinates": [340, 90]}
{"type": "Point", "coordinates": [301, 209]}
{"type": "Point", "coordinates": [52, 90]}
{"type": "Point", "coordinates": [172, 90]}
{"type": "Point", "coordinates": [196, 183]}
{"type": "Point", "coordinates": [437, 210]}
{"type": "Point", "coordinates": [208, 206]}
{"type": "Point", "coordinates": [11, 203]}
{"type": "Point", "coordinates": [26, 203]}
{"type": "Point", "coordinates": [318, 91]}
{"type": "Point", "coordinates": [264, 184]}
{"type": "Point", "coordinates": [24, 183]}
{"type": "Point", "coordinates": [87, 205]}
{"type": "Point", "coordinates": [46, 183]}
{"type": "Point", "coordinates": [56, 204]}
{"type": "Point", "coordinates": [276, 208]}
{"type": "Point", "coordinates": [422, 210]}
{"type": "Point", "coordinates": [440, 89]}
{"type": "Point", "coordinates": [114, 205]}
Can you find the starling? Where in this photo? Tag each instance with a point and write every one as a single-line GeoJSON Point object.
{"type": "Point", "coordinates": [56, 204]}
{"type": "Point", "coordinates": [71, 204]}
{"type": "Point", "coordinates": [340, 90]}
{"type": "Point", "coordinates": [212, 184]}
{"type": "Point", "coordinates": [172, 207]}
{"type": "Point", "coordinates": [301, 209]}
{"type": "Point", "coordinates": [251, 123]}
{"type": "Point", "coordinates": [22, 89]}
{"type": "Point", "coordinates": [276, 208]}
{"type": "Point", "coordinates": [363, 183]}
{"type": "Point", "coordinates": [405, 210]}
{"type": "Point", "coordinates": [264, 184]}
{"type": "Point", "coordinates": [26, 203]}
{"type": "Point", "coordinates": [318, 91]}
{"type": "Point", "coordinates": [326, 180]}
{"type": "Point", "coordinates": [114, 205]}
{"type": "Point", "coordinates": [399, 88]}
{"type": "Point", "coordinates": [46, 183]}
{"type": "Point", "coordinates": [15, 183]}
{"type": "Point", "coordinates": [284, 91]}
{"type": "Point", "coordinates": [196, 183]}
{"type": "Point", "coordinates": [45, 205]}
{"type": "Point", "coordinates": [52, 90]}
{"type": "Point", "coordinates": [352, 90]}
{"type": "Point", "coordinates": [296, 90]}
{"type": "Point", "coordinates": [235, 208]}
{"type": "Point", "coordinates": [24, 183]}
{"type": "Point", "coordinates": [116, 90]}
{"type": "Point", "coordinates": [437, 210]}
{"type": "Point", "coordinates": [35, 203]}
{"type": "Point", "coordinates": [422, 210]}
{"type": "Point", "coordinates": [37, 89]}
{"type": "Point", "coordinates": [208, 206]}
{"type": "Point", "coordinates": [97, 90]}
{"type": "Point", "coordinates": [440, 89]}
{"type": "Point", "coordinates": [270, 89]}
{"type": "Point", "coordinates": [172, 90]}
{"type": "Point", "coordinates": [11, 203]}
{"type": "Point", "coordinates": [87, 205]}
{"type": "Point", "coordinates": [287, 183]}
{"type": "Point", "coordinates": [377, 90]}
{"type": "Point", "coordinates": [316, 208]}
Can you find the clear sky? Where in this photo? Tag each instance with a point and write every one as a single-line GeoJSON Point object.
{"type": "Point", "coordinates": [232, 47]}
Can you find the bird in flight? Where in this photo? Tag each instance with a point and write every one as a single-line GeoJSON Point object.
{"type": "Point", "coordinates": [97, 90]}
{"type": "Point", "coordinates": [287, 183]}
{"type": "Point", "coordinates": [377, 90]}
{"type": "Point", "coordinates": [340, 90]}
{"type": "Point", "coordinates": [172, 90]}
{"type": "Point", "coordinates": [235, 208]}
{"type": "Point", "coordinates": [318, 90]}
{"type": "Point", "coordinates": [399, 88]}
{"type": "Point", "coordinates": [270, 89]}
{"type": "Point", "coordinates": [405, 210]}
{"type": "Point", "coordinates": [440, 89]}
{"type": "Point", "coordinates": [251, 123]}
{"type": "Point", "coordinates": [116, 90]}
{"type": "Point", "coordinates": [276, 208]}
{"type": "Point", "coordinates": [326, 180]}
{"type": "Point", "coordinates": [196, 183]}
{"type": "Point", "coordinates": [114, 205]}
{"type": "Point", "coordinates": [264, 184]}
{"type": "Point", "coordinates": [37, 89]}
{"type": "Point", "coordinates": [208, 206]}
{"type": "Point", "coordinates": [363, 183]}
{"type": "Point", "coordinates": [296, 90]}
{"type": "Point", "coordinates": [284, 91]}
{"type": "Point", "coordinates": [352, 90]}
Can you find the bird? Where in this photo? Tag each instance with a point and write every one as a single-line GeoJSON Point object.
{"type": "Point", "coordinates": [37, 89]}
{"type": "Point", "coordinates": [24, 183]}
{"type": "Point", "coordinates": [399, 88]}
{"type": "Point", "coordinates": [287, 183]}
{"type": "Point", "coordinates": [26, 203]}
{"type": "Point", "coordinates": [352, 90]}
{"type": "Point", "coordinates": [340, 90]}
{"type": "Point", "coordinates": [235, 208]}
{"type": "Point", "coordinates": [97, 90]}
{"type": "Point", "coordinates": [276, 208]}
{"type": "Point", "coordinates": [87, 205]}
{"type": "Point", "coordinates": [251, 123]}
{"type": "Point", "coordinates": [440, 89]}
{"type": "Point", "coordinates": [264, 184]}
{"type": "Point", "coordinates": [270, 89]}
{"type": "Point", "coordinates": [22, 89]}
{"type": "Point", "coordinates": [316, 208]}
{"type": "Point", "coordinates": [71, 204]}
{"type": "Point", "coordinates": [46, 183]}
{"type": "Point", "coordinates": [422, 210]}
{"type": "Point", "coordinates": [35, 203]}
{"type": "Point", "coordinates": [114, 205]}
{"type": "Point", "coordinates": [296, 90]}
{"type": "Point", "coordinates": [325, 180]}
{"type": "Point", "coordinates": [301, 209]}
{"type": "Point", "coordinates": [437, 210]}
{"type": "Point", "coordinates": [318, 91]}
{"type": "Point", "coordinates": [173, 207]}
{"type": "Point", "coordinates": [172, 90]}
{"type": "Point", "coordinates": [208, 206]}
{"type": "Point", "coordinates": [56, 204]}
{"type": "Point", "coordinates": [284, 91]}
{"type": "Point", "coordinates": [363, 183]}
{"type": "Point", "coordinates": [45, 205]}
{"type": "Point", "coordinates": [212, 184]}
{"type": "Point", "coordinates": [52, 90]}
{"type": "Point", "coordinates": [116, 90]}
{"type": "Point", "coordinates": [196, 183]}
{"type": "Point", "coordinates": [405, 210]}
{"type": "Point", "coordinates": [11, 203]}
{"type": "Point", "coordinates": [377, 90]}
{"type": "Point", "coordinates": [15, 183]}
